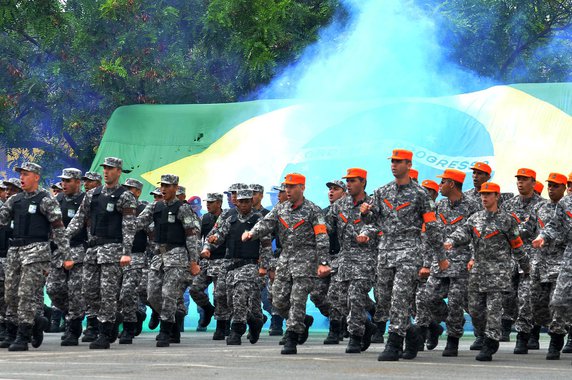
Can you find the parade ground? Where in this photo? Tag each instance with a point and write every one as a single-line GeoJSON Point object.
{"type": "Point", "coordinates": [199, 357]}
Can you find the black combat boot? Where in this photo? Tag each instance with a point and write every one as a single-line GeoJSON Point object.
{"type": "Point", "coordinates": [490, 347]}
{"type": "Point", "coordinates": [128, 333]}
{"type": "Point", "coordinates": [452, 347]}
{"type": "Point", "coordinates": [556, 344]}
{"type": "Point", "coordinates": [237, 330]}
{"type": "Point", "coordinates": [568, 347]}
{"type": "Point", "coordinates": [345, 333]}
{"type": "Point", "coordinates": [534, 340]}
{"type": "Point", "coordinates": [411, 343]}
{"type": "Point", "coordinates": [354, 344]}
{"type": "Point", "coordinates": [2, 331]}
{"type": "Point", "coordinates": [506, 328]}
{"type": "Point", "coordinates": [164, 337]}
{"type": "Point", "coordinates": [284, 339]}
{"type": "Point", "coordinates": [378, 336]}
{"type": "Point", "coordinates": [291, 342]}
{"type": "Point", "coordinates": [308, 321]}
{"type": "Point", "coordinates": [73, 333]}
{"type": "Point", "coordinates": [219, 333]}
{"type": "Point", "coordinates": [91, 330]}
{"type": "Point", "coordinates": [435, 331]}
{"type": "Point", "coordinates": [478, 343]}
{"type": "Point", "coordinates": [521, 343]}
{"type": "Point", "coordinates": [115, 328]}
{"type": "Point", "coordinates": [103, 340]}
{"type": "Point", "coordinates": [208, 312]}
{"type": "Point", "coordinates": [276, 322]}
{"type": "Point", "coordinates": [40, 323]}
{"type": "Point", "coordinates": [370, 329]}
{"type": "Point", "coordinates": [154, 320]}
{"type": "Point", "coordinates": [22, 338]}
{"type": "Point", "coordinates": [178, 327]}
{"type": "Point", "coordinates": [254, 329]}
{"type": "Point", "coordinates": [56, 321]}
{"type": "Point", "coordinates": [334, 333]}
{"type": "Point", "coordinates": [10, 336]}
{"type": "Point", "coordinates": [423, 332]}
{"type": "Point", "coordinates": [392, 348]}
{"type": "Point", "coordinates": [139, 324]}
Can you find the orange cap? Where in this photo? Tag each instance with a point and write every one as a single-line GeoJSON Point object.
{"type": "Point", "coordinates": [489, 187]}
{"type": "Point", "coordinates": [413, 174]}
{"type": "Point", "coordinates": [482, 167]}
{"type": "Point", "coordinates": [294, 179]}
{"type": "Point", "coordinates": [524, 172]}
{"type": "Point", "coordinates": [557, 178]}
{"type": "Point", "coordinates": [428, 184]}
{"type": "Point", "coordinates": [538, 187]}
{"type": "Point", "coordinates": [356, 172]}
{"type": "Point", "coordinates": [401, 154]}
{"type": "Point", "coordinates": [454, 174]}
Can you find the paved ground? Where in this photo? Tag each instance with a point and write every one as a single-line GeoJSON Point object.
{"type": "Point", "coordinates": [199, 356]}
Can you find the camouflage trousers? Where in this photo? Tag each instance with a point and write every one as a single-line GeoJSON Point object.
{"type": "Point", "coordinates": [562, 295]}
{"type": "Point", "coordinates": [319, 295]}
{"type": "Point", "coordinates": [64, 287]}
{"type": "Point", "coordinates": [165, 290]}
{"type": "Point", "coordinates": [289, 297]}
{"type": "Point", "coordinates": [398, 285]}
{"type": "Point", "coordinates": [2, 302]}
{"type": "Point", "coordinates": [350, 299]}
{"type": "Point", "coordinates": [24, 282]}
{"type": "Point", "coordinates": [128, 295]}
{"type": "Point", "coordinates": [543, 313]}
{"type": "Point", "coordinates": [382, 303]}
{"type": "Point", "coordinates": [142, 288]}
{"type": "Point", "coordinates": [243, 295]}
{"type": "Point", "coordinates": [223, 312]}
{"type": "Point", "coordinates": [432, 306]}
{"type": "Point", "coordinates": [101, 286]}
{"type": "Point", "coordinates": [517, 303]}
{"type": "Point", "coordinates": [486, 311]}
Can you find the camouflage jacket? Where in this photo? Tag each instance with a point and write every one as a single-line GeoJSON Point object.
{"type": "Point", "coordinates": [126, 205]}
{"type": "Point", "coordinates": [191, 224]}
{"type": "Point", "coordinates": [449, 217]}
{"type": "Point", "coordinates": [50, 208]}
{"type": "Point", "coordinates": [495, 238]}
{"type": "Point", "coordinates": [355, 261]}
{"type": "Point", "coordinates": [548, 260]}
{"type": "Point", "coordinates": [400, 212]}
{"type": "Point", "coordinates": [303, 236]}
{"type": "Point", "coordinates": [560, 227]}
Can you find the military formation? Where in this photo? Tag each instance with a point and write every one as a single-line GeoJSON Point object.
{"type": "Point", "coordinates": [104, 258]}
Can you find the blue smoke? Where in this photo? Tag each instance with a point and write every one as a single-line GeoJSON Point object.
{"type": "Point", "coordinates": [387, 48]}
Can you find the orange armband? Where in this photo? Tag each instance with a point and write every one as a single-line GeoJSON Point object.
{"type": "Point", "coordinates": [429, 217]}
{"type": "Point", "coordinates": [516, 243]}
{"type": "Point", "coordinates": [320, 229]}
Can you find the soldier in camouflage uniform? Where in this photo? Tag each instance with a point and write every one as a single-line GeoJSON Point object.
{"type": "Point", "coordinates": [132, 274]}
{"type": "Point", "coordinates": [336, 190]}
{"type": "Point", "coordinates": [302, 231]}
{"type": "Point", "coordinates": [209, 265]}
{"type": "Point", "coordinates": [176, 231]}
{"type": "Point", "coordinates": [35, 215]}
{"type": "Point", "coordinates": [521, 207]}
{"type": "Point", "coordinates": [400, 209]}
{"type": "Point", "coordinates": [91, 180]}
{"type": "Point", "coordinates": [452, 211]}
{"type": "Point", "coordinates": [109, 213]}
{"type": "Point", "coordinates": [356, 264]}
{"type": "Point", "coordinates": [248, 261]}
{"type": "Point", "coordinates": [65, 286]}
{"type": "Point", "coordinates": [496, 240]}
{"type": "Point", "coordinates": [555, 233]}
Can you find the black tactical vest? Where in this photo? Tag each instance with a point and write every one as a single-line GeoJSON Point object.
{"type": "Point", "coordinates": [207, 224]}
{"type": "Point", "coordinates": [69, 209]}
{"type": "Point", "coordinates": [29, 222]}
{"type": "Point", "coordinates": [106, 221]}
{"type": "Point", "coordinates": [168, 228]}
{"type": "Point", "coordinates": [236, 248]}
{"type": "Point", "coordinates": [140, 240]}
{"type": "Point", "coordinates": [5, 235]}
